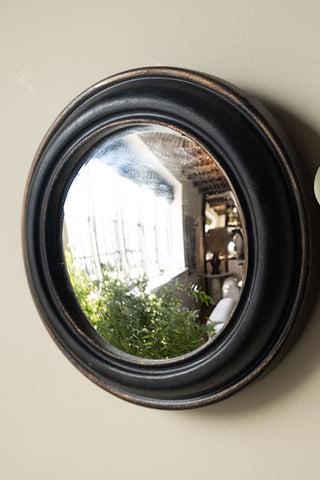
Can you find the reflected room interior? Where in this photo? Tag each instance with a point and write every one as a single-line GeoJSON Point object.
{"type": "Point", "coordinates": [154, 243]}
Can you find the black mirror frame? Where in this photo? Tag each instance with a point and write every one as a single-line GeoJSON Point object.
{"type": "Point", "coordinates": [261, 165]}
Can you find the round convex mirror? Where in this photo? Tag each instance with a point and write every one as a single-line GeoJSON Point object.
{"type": "Point", "coordinates": [167, 237]}
{"type": "Point", "coordinates": [154, 242]}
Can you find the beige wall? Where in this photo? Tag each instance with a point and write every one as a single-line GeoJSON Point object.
{"type": "Point", "coordinates": [56, 424]}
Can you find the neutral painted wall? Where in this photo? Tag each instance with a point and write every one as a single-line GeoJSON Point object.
{"type": "Point", "coordinates": [56, 424]}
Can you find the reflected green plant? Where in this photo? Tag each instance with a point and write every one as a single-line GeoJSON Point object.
{"type": "Point", "coordinates": [137, 321]}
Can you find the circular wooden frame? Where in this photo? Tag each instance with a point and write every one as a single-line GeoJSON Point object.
{"type": "Point", "coordinates": [259, 162]}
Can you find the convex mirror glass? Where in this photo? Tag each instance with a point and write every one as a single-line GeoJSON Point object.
{"type": "Point", "coordinates": [154, 242]}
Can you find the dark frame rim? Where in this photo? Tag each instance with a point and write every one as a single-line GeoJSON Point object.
{"type": "Point", "coordinates": [270, 134]}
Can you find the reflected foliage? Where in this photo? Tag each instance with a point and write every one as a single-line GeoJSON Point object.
{"type": "Point", "coordinates": [138, 321]}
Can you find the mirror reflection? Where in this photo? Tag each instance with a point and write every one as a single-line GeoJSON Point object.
{"type": "Point", "coordinates": [154, 243]}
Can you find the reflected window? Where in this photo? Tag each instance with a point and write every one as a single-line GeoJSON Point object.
{"type": "Point", "coordinates": [126, 214]}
